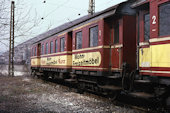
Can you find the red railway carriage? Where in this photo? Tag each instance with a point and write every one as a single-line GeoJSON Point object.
{"type": "Point", "coordinates": [110, 45]}
{"type": "Point", "coordinates": [100, 46]}
{"type": "Point", "coordinates": [153, 31]}
{"type": "Point", "coordinates": [154, 38]}
{"type": "Point", "coordinates": [87, 53]}
{"type": "Point", "coordinates": [54, 55]}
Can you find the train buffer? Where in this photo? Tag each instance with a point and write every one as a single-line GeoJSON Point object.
{"type": "Point", "coordinates": [110, 87]}
{"type": "Point", "coordinates": [142, 81]}
{"type": "Point", "coordinates": [142, 95]}
{"type": "Point", "coordinates": [114, 77]}
{"type": "Point", "coordinates": [71, 80]}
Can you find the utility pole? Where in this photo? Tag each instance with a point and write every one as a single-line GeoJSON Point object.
{"type": "Point", "coordinates": [91, 10]}
{"type": "Point", "coordinates": [11, 43]}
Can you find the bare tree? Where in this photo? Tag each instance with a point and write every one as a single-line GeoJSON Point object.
{"type": "Point", "coordinates": [25, 23]}
{"type": "Point", "coordinates": [4, 22]}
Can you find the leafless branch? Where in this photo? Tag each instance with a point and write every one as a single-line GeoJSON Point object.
{"type": "Point", "coordinates": [25, 24]}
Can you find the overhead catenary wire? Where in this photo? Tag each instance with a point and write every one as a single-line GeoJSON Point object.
{"type": "Point", "coordinates": [55, 9]}
{"type": "Point", "coordinates": [66, 18]}
{"type": "Point", "coordinates": [4, 43]}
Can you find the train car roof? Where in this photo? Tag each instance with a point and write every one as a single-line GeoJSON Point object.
{"type": "Point", "coordinates": [69, 25]}
{"type": "Point", "coordinates": [139, 3]}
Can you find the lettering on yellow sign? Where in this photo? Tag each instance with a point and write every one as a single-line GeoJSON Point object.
{"type": "Point", "coordinates": [87, 59]}
{"type": "Point", "coordinates": [53, 61]}
{"type": "Point", "coordinates": [86, 62]}
{"type": "Point", "coordinates": [79, 56]}
{"type": "Point", "coordinates": [56, 60]}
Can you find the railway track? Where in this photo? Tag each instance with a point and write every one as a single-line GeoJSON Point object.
{"type": "Point", "coordinates": [122, 100]}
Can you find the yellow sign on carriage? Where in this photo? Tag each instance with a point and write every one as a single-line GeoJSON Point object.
{"type": "Point", "coordinates": [86, 59]}
{"type": "Point", "coordinates": [64, 60]}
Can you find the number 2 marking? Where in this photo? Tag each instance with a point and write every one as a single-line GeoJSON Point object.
{"type": "Point", "coordinates": [154, 19]}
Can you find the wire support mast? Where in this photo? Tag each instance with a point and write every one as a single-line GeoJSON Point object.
{"type": "Point", "coordinates": [91, 10]}
{"type": "Point", "coordinates": [11, 43]}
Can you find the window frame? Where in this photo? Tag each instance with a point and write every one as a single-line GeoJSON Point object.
{"type": "Point", "coordinates": [61, 44]}
{"type": "Point", "coordinates": [35, 51]}
{"type": "Point", "coordinates": [51, 47]}
{"type": "Point", "coordinates": [145, 13]}
{"type": "Point", "coordinates": [97, 35]}
{"type": "Point", "coordinates": [46, 48]}
{"type": "Point", "coordinates": [141, 23]}
{"type": "Point", "coordinates": [77, 37]}
{"type": "Point", "coordinates": [42, 49]}
{"type": "Point", "coordinates": [161, 4]}
{"type": "Point", "coordinates": [56, 46]}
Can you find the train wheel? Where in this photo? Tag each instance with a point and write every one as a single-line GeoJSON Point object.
{"type": "Point", "coordinates": [126, 81]}
{"type": "Point", "coordinates": [80, 87]}
{"type": "Point", "coordinates": [45, 75]}
{"type": "Point", "coordinates": [113, 96]}
{"type": "Point", "coordinates": [125, 77]}
{"type": "Point", "coordinates": [132, 78]}
{"type": "Point", "coordinates": [168, 103]}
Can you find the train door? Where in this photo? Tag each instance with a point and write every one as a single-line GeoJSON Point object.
{"type": "Point", "coordinates": [124, 43]}
{"type": "Point", "coordinates": [70, 38]}
{"type": "Point", "coordinates": [145, 51]}
{"type": "Point", "coordinates": [116, 46]}
{"type": "Point", "coordinates": [39, 50]}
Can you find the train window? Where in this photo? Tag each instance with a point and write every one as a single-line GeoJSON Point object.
{"type": "Point", "coordinates": [42, 50]}
{"type": "Point", "coordinates": [51, 47]}
{"type": "Point", "coordinates": [46, 49]}
{"type": "Point", "coordinates": [79, 40]}
{"type": "Point", "coordinates": [35, 53]}
{"type": "Point", "coordinates": [32, 51]}
{"type": "Point", "coordinates": [62, 44]}
{"type": "Point", "coordinates": [147, 26]}
{"type": "Point", "coordinates": [56, 46]}
{"type": "Point", "coordinates": [94, 36]}
{"type": "Point", "coordinates": [164, 19]}
{"type": "Point", "coordinates": [116, 33]}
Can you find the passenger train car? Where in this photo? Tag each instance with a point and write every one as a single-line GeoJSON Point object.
{"type": "Point", "coordinates": [124, 48]}
{"type": "Point", "coordinates": [153, 31]}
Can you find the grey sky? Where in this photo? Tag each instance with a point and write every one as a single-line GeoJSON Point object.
{"type": "Point", "coordinates": [56, 12]}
